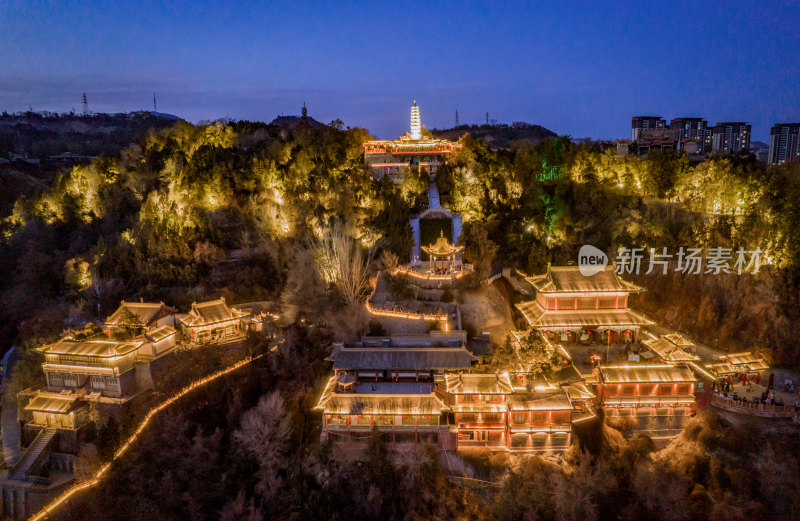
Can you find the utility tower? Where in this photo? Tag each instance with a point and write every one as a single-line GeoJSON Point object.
{"type": "Point", "coordinates": [456, 117]}
{"type": "Point", "coordinates": [487, 119]}
{"type": "Point", "coordinates": [85, 105]}
{"type": "Point", "coordinates": [155, 107]}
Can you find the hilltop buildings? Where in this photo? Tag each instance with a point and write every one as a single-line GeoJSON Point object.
{"type": "Point", "coordinates": [94, 372]}
{"type": "Point", "coordinates": [417, 388]}
{"type": "Point", "coordinates": [417, 149]}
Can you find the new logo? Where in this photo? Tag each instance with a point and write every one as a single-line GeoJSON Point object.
{"type": "Point", "coordinates": [591, 260]}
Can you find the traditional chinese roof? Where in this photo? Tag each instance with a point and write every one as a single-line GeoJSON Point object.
{"type": "Point", "coordinates": [96, 348]}
{"type": "Point", "coordinates": [53, 403]}
{"type": "Point", "coordinates": [160, 333]}
{"type": "Point", "coordinates": [146, 312]}
{"type": "Point", "coordinates": [737, 362]}
{"type": "Point", "coordinates": [399, 359]}
{"type": "Point", "coordinates": [388, 404]}
{"type": "Point", "coordinates": [578, 391]}
{"type": "Point", "coordinates": [552, 401]}
{"type": "Point", "coordinates": [679, 340]}
{"type": "Point", "coordinates": [669, 351]}
{"type": "Point", "coordinates": [477, 384]}
{"type": "Point", "coordinates": [645, 374]}
{"type": "Point", "coordinates": [212, 312]}
{"type": "Point", "coordinates": [569, 279]}
{"type": "Point", "coordinates": [442, 247]}
{"type": "Point", "coordinates": [541, 318]}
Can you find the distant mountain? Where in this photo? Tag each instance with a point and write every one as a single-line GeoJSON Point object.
{"type": "Point", "coordinates": [757, 145]}
{"type": "Point", "coordinates": [36, 146]}
{"type": "Point", "coordinates": [498, 136]}
{"type": "Point", "coordinates": [41, 135]}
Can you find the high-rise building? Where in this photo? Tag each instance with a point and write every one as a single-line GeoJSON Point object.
{"type": "Point", "coordinates": [784, 143]}
{"type": "Point", "coordinates": [692, 128]}
{"type": "Point", "coordinates": [730, 137]}
{"type": "Point", "coordinates": [640, 123]}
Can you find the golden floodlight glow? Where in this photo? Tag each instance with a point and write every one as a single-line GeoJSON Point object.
{"type": "Point", "coordinates": [133, 437]}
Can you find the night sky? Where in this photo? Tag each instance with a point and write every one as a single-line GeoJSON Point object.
{"type": "Point", "coordinates": [579, 68]}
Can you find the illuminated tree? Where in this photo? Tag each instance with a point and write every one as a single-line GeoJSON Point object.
{"type": "Point", "coordinates": [342, 262]}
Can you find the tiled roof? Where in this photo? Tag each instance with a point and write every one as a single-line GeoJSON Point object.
{"type": "Point", "coordinates": [646, 374]}
{"type": "Point", "coordinates": [212, 312]}
{"type": "Point", "coordinates": [736, 362]}
{"type": "Point", "coordinates": [568, 279]}
{"type": "Point", "coordinates": [478, 384]}
{"type": "Point", "coordinates": [146, 312]}
{"type": "Point", "coordinates": [538, 317]}
{"type": "Point", "coordinates": [52, 402]}
{"type": "Point", "coordinates": [398, 359]}
{"type": "Point", "coordinates": [540, 401]}
{"type": "Point", "coordinates": [99, 348]}
{"type": "Point", "coordinates": [160, 333]}
{"type": "Point", "coordinates": [668, 351]}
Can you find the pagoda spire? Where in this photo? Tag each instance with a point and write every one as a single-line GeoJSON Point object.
{"type": "Point", "coordinates": [416, 126]}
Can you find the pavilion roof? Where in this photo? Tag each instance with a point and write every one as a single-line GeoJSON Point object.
{"type": "Point", "coordinates": [646, 374]}
{"type": "Point", "coordinates": [569, 279]}
{"type": "Point", "coordinates": [212, 312]}
{"type": "Point", "coordinates": [478, 384]}
{"type": "Point", "coordinates": [401, 358]}
{"type": "Point", "coordinates": [146, 312]}
{"type": "Point", "coordinates": [350, 403]}
{"type": "Point", "coordinates": [668, 351]}
{"type": "Point", "coordinates": [95, 348]}
{"type": "Point", "coordinates": [52, 402]}
{"type": "Point", "coordinates": [736, 362]}
{"type": "Point", "coordinates": [541, 318]}
{"type": "Point", "coordinates": [679, 340]}
{"type": "Point", "coordinates": [442, 247]}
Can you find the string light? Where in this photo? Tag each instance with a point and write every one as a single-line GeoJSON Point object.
{"type": "Point", "coordinates": [142, 426]}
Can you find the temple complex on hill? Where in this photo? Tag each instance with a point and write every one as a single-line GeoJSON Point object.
{"type": "Point", "coordinates": [417, 149]}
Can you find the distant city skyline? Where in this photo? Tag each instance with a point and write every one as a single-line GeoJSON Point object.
{"type": "Point", "coordinates": [570, 68]}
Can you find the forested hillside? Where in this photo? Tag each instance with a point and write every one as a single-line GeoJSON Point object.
{"type": "Point", "coordinates": [229, 208]}
{"type": "Point", "coordinates": [236, 209]}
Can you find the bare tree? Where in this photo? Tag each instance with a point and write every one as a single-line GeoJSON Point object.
{"type": "Point", "coordinates": [265, 435]}
{"type": "Point", "coordinates": [343, 263]}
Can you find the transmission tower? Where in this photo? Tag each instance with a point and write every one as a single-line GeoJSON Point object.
{"type": "Point", "coordinates": [155, 107]}
{"type": "Point", "coordinates": [487, 119]}
{"type": "Point", "coordinates": [456, 117]}
{"type": "Point", "coordinates": [85, 105]}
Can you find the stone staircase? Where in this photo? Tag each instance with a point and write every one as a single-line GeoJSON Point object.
{"type": "Point", "coordinates": [33, 454]}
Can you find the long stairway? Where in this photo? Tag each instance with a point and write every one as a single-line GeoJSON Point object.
{"type": "Point", "coordinates": [33, 453]}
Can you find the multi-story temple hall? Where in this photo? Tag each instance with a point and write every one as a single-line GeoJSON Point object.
{"type": "Point", "coordinates": [416, 149]}
{"type": "Point", "coordinates": [573, 308]}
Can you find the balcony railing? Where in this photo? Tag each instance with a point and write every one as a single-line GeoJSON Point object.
{"type": "Point", "coordinates": [755, 409]}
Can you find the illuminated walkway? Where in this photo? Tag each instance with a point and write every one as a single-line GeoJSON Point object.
{"type": "Point", "coordinates": [133, 437]}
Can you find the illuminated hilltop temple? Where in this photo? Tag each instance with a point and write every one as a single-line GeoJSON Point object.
{"type": "Point", "coordinates": [413, 150]}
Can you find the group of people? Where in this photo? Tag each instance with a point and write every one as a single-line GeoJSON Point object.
{"type": "Point", "coordinates": [767, 397]}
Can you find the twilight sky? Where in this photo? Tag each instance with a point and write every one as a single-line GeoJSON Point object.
{"type": "Point", "coordinates": [578, 68]}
